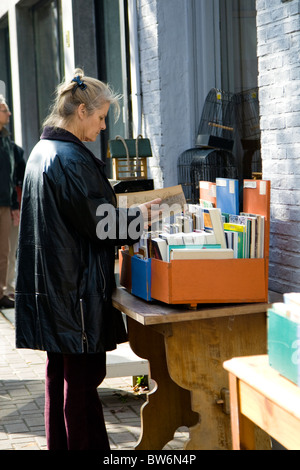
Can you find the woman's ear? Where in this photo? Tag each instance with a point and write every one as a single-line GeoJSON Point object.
{"type": "Point", "coordinates": [81, 110]}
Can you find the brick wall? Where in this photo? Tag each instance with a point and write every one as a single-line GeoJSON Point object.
{"type": "Point", "coordinates": [151, 83]}
{"type": "Point", "coordinates": [278, 24]}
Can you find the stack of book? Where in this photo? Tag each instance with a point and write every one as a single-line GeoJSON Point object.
{"type": "Point", "coordinates": [244, 231]}
{"type": "Point", "coordinates": [203, 254]}
{"type": "Point", "coordinates": [196, 244]}
{"type": "Point", "coordinates": [203, 231]}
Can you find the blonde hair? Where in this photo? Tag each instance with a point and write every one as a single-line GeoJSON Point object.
{"type": "Point", "coordinates": [69, 96]}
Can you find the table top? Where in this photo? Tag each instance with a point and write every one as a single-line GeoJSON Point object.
{"type": "Point", "coordinates": [155, 313]}
{"type": "Point", "coordinates": [258, 374]}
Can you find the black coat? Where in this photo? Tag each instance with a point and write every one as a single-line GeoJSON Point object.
{"type": "Point", "coordinates": [65, 273]}
{"type": "Point", "coordinates": [12, 165]}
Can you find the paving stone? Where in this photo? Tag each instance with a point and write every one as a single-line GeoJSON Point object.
{"type": "Point", "coordinates": [16, 427]}
{"type": "Point", "coordinates": [6, 445]}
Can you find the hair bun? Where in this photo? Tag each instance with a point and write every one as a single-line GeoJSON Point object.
{"type": "Point", "coordinates": [78, 71]}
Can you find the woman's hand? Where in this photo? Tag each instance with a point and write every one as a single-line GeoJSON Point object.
{"type": "Point", "coordinates": [15, 216]}
{"type": "Point", "coordinates": [150, 211]}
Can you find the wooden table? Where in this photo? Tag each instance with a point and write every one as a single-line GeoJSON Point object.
{"type": "Point", "coordinates": [260, 395]}
{"type": "Point", "coordinates": [186, 350]}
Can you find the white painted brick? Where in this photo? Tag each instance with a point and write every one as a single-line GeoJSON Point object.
{"type": "Point", "coordinates": [279, 72]}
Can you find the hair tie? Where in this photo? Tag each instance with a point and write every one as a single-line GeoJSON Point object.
{"type": "Point", "coordinates": [79, 83]}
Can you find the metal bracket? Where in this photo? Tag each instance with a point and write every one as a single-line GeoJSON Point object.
{"type": "Point", "coordinates": [224, 401]}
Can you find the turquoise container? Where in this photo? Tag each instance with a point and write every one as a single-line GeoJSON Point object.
{"type": "Point", "coordinates": [284, 346]}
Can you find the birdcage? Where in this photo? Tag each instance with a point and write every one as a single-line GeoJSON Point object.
{"type": "Point", "coordinates": [248, 129]}
{"type": "Point", "coordinates": [209, 164]}
{"type": "Point", "coordinates": [184, 172]}
{"type": "Point", "coordinates": [216, 128]}
{"type": "Point", "coordinates": [212, 156]}
{"type": "Point", "coordinates": [247, 116]}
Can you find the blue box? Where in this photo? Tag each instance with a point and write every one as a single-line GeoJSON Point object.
{"type": "Point", "coordinates": [141, 277]}
{"type": "Point", "coordinates": [284, 346]}
{"type": "Point", "coordinates": [228, 196]}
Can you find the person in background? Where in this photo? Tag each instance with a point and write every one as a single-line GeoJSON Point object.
{"type": "Point", "coordinates": [9, 206]}
{"type": "Point", "coordinates": [65, 263]}
{"type": "Point", "coordinates": [20, 164]}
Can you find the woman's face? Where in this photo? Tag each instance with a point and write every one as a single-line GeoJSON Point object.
{"type": "Point", "coordinates": [4, 115]}
{"type": "Point", "coordinates": [94, 123]}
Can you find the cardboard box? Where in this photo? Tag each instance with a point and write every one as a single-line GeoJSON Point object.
{"type": "Point", "coordinates": [209, 281]}
{"type": "Point", "coordinates": [284, 346]}
{"type": "Point", "coordinates": [135, 274]}
{"type": "Point", "coordinates": [141, 277]}
{"type": "Point", "coordinates": [196, 281]}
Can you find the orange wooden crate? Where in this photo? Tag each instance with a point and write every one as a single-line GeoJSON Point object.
{"type": "Point", "coordinates": [209, 281]}
{"type": "Point", "coordinates": [217, 281]}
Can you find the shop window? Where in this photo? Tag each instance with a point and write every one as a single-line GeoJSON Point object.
{"type": "Point", "coordinates": [113, 61]}
{"type": "Point", "coordinates": [238, 45]}
{"type": "Point", "coordinates": [47, 26]}
{"type": "Point", "coordinates": [239, 75]}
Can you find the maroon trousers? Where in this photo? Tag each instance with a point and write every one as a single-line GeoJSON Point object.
{"type": "Point", "coordinates": [73, 411]}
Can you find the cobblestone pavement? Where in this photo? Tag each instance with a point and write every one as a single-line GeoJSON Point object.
{"type": "Point", "coordinates": [22, 401]}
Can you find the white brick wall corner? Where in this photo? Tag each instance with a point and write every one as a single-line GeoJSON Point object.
{"type": "Point", "coordinates": [278, 25]}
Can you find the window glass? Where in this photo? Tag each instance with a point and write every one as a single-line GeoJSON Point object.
{"type": "Point", "coordinates": [238, 45]}
{"type": "Point", "coordinates": [112, 45]}
{"type": "Point", "coordinates": [48, 52]}
{"type": "Point", "coordinates": [113, 66]}
{"type": "Point", "coordinates": [239, 75]}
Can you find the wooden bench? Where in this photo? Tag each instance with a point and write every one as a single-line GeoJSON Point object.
{"type": "Point", "coordinates": [122, 362]}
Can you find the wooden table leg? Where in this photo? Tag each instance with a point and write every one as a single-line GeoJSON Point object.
{"type": "Point", "coordinates": [195, 355]}
{"type": "Point", "coordinates": [234, 412]}
{"type": "Point", "coordinates": [242, 429]}
{"type": "Point", "coordinates": [168, 405]}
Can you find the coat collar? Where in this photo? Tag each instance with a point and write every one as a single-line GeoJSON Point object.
{"type": "Point", "coordinates": [4, 132]}
{"type": "Point", "coordinates": [51, 133]}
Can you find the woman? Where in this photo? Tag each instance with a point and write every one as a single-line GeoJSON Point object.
{"type": "Point", "coordinates": [65, 273]}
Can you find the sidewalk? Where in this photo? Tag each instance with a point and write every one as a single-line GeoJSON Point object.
{"type": "Point", "coordinates": [22, 400]}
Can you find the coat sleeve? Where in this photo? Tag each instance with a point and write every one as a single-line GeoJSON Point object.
{"type": "Point", "coordinates": [87, 202]}
{"type": "Point", "coordinates": [20, 164]}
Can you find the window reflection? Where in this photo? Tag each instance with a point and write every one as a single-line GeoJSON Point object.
{"type": "Point", "coordinates": [48, 52]}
